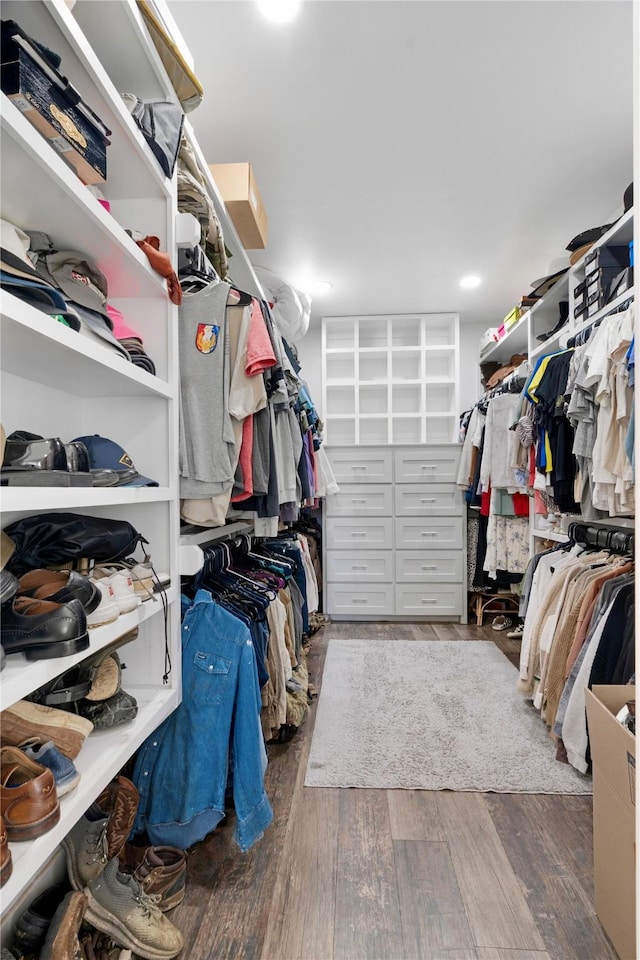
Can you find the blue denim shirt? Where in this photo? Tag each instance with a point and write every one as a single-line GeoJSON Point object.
{"type": "Point", "coordinates": [181, 769]}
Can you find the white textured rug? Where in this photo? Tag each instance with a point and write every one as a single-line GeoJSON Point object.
{"type": "Point", "coordinates": [430, 715]}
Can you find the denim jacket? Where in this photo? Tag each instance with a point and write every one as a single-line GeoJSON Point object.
{"type": "Point", "coordinates": [181, 769]}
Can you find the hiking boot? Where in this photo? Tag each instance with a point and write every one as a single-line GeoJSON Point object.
{"type": "Point", "coordinates": [24, 720]}
{"type": "Point", "coordinates": [33, 923]}
{"type": "Point", "coordinates": [119, 800]}
{"type": "Point", "coordinates": [118, 906]}
{"type": "Point", "coordinates": [163, 874]}
{"type": "Point", "coordinates": [62, 941]}
{"type": "Point", "coordinates": [85, 847]}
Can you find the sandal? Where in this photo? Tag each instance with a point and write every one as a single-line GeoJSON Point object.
{"type": "Point", "coordinates": [501, 622]}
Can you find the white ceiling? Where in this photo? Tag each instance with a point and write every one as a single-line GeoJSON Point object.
{"type": "Point", "coordinates": [401, 144]}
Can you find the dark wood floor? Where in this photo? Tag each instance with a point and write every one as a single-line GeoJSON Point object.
{"type": "Point", "coordinates": [396, 875]}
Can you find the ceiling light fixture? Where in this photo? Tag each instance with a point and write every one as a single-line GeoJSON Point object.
{"type": "Point", "coordinates": [470, 282]}
{"type": "Point", "coordinates": [322, 286]}
{"type": "Point", "coordinates": [278, 11]}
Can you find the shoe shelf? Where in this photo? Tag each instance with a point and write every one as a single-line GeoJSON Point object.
{"type": "Point", "coordinates": [99, 760]}
{"type": "Point", "coordinates": [21, 676]}
{"type": "Point", "coordinates": [556, 535]}
{"type": "Point", "coordinates": [35, 499]}
{"type": "Point", "coordinates": [40, 192]}
{"type": "Point", "coordinates": [39, 348]}
{"type": "Point", "coordinates": [132, 171]}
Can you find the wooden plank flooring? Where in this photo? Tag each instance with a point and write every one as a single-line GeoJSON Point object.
{"type": "Point", "coordinates": [396, 875]}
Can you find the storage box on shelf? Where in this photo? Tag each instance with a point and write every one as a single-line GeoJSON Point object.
{"type": "Point", "coordinates": [394, 545]}
{"type": "Point", "coordinates": [55, 382]}
{"type": "Point", "coordinates": [239, 190]}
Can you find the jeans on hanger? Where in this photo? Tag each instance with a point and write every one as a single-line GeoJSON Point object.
{"type": "Point", "coordinates": [182, 767]}
{"type": "Point", "coordinates": [292, 553]}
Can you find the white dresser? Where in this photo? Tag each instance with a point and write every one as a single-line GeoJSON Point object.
{"type": "Point", "coordinates": [394, 537]}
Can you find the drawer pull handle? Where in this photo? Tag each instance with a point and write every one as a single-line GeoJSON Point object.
{"type": "Point", "coordinates": [356, 534]}
{"type": "Point", "coordinates": [428, 466]}
{"type": "Point", "coordinates": [432, 567]}
{"type": "Point", "coordinates": [361, 566]}
{"type": "Point", "coordinates": [429, 601]}
{"type": "Point", "coordinates": [354, 500]}
{"type": "Point", "coordinates": [428, 500]}
{"type": "Point", "coordinates": [359, 600]}
{"type": "Point", "coordinates": [429, 533]}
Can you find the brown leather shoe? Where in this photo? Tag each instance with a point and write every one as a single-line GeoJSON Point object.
{"type": "Point", "coordinates": [24, 720]}
{"type": "Point", "coordinates": [28, 798]}
{"type": "Point", "coordinates": [6, 863]}
{"type": "Point", "coordinates": [62, 942]}
{"type": "Point", "coordinates": [120, 800]}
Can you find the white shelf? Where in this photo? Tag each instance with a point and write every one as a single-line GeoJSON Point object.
{"type": "Point", "coordinates": [99, 760]}
{"type": "Point", "coordinates": [554, 535]}
{"type": "Point", "coordinates": [132, 170]}
{"type": "Point", "coordinates": [20, 676]}
{"type": "Point", "coordinates": [40, 192]}
{"type": "Point", "coordinates": [36, 346]}
{"type": "Point", "coordinates": [35, 499]}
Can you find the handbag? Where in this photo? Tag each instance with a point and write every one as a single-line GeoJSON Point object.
{"type": "Point", "coordinates": [52, 539]}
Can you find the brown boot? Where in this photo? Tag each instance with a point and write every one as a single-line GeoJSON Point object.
{"type": "Point", "coordinates": [62, 942]}
{"type": "Point", "coordinates": [163, 873]}
{"type": "Point", "coordinates": [120, 800]}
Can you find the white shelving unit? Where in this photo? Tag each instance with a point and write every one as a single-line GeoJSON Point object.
{"type": "Point", "coordinates": [390, 379]}
{"type": "Point", "coordinates": [55, 382]}
{"type": "Point", "coordinates": [543, 317]}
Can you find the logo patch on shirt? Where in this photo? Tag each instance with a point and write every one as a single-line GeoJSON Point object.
{"type": "Point", "coordinates": [207, 337]}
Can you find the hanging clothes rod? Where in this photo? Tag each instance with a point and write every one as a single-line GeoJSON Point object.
{"type": "Point", "coordinates": [194, 539]}
{"type": "Point", "coordinates": [619, 538]}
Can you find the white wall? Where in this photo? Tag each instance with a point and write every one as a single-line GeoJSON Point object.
{"type": "Point", "coordinates": [310, 356]}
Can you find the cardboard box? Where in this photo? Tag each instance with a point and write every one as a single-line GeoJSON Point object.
{"type": "Point", "coordinates": [613, 754]}
{"type": "Point", "coordinates": [237, 184]}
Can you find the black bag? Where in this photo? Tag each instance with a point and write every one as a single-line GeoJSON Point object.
{"type": "Point", "coordinates": [52, 539]}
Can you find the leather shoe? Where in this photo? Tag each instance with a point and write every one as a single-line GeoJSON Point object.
{"type": "Point", "coordinates": [32, 924]}
{"type": "Point", "coordinates": [43, 630]}
{"type": "Point", "coordinates": [28, 798]}
{"type": "Point", "coordinates": [60, 586]}
{"type": "Point", "coordinates": [35, 453]}
{"type": "Point", "coordinates": [6, 863]}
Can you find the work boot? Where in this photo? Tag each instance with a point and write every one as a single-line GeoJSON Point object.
{"type": "Point", "coordinates": [163, 874]}
{"type": "Point", "coordinates": [86, 847]}
{"type": "Point", "coordinates": [117, 905]}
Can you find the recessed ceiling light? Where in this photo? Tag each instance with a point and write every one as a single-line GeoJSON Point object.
{"type": "Point", "coordinates": [322, 286]}
{"type": "Point", "coordinates": [470, 282]}
{"type": "Point", "coordinates": [278, 11]}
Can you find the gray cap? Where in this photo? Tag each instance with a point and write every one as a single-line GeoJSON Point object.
{"type": "Point", "coordinates": [79, 279]}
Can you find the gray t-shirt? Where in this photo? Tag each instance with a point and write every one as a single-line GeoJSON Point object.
{"type": "Point", "coordinates": [207, 441]}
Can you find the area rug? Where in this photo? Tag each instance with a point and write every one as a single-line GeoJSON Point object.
{"type": "Point", "coordinates": [430, 715]}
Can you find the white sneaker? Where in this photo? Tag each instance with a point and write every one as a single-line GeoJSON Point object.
{"type": "Point", "coordinates": [121, 584]}
{"type": "Point", "coordinates": [107, 610]}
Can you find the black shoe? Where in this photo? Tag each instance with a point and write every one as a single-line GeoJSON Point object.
{"type": "Point", "coordinates": [60, 586]}
{"type": "Point", "coordinates": [33, 923]}
{"type": "Point", "coordinates": [43, 630]}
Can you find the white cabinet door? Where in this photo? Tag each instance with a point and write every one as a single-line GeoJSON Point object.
{"type": "Point", "coordinates": [429, 600]}
{"type": "Point", "coordinates": [434, 533]}
{"type": "Point", "coordinates": [344, 533]}
{"type": "Point", "coordinates": [360, 599]}
{"type": "Point", "coordinates": [426, 464]}
{"type": "Point", "coordinates": [361, 465]}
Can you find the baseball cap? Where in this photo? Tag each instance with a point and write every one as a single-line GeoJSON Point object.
{"type": "Point", "coordinates": [121, 329]}
{"type": "Point", "coordinates": [79, 279]}
{"type": "Point", "coordinates": [105, 454]}
{"type": "Point", "coordinates": [40, 295]}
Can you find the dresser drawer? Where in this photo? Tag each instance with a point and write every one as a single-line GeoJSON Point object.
{"type": "Point", "coordinates": [436, 499]}
{"type": "Point", "coordinates": [427, 465]}
{"type": "Point", "coordinates": [363, 566]}
{"type": "Point", "coordinates": [366, 599]}
{"type": "Point", "coordinates": [425, 566]}
{"type": "Point", "coordinates": [365, 532]}
{"type": "Point", "coordinates": [424, 599]}
{"type": "Point", "coordinates": [361, 465]}
{"type": "Point", "coordinates": [434, 533]}
{"type": "Point", "coordinates": [374, 500]}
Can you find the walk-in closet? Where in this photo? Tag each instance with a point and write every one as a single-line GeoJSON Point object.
{"type": "Point", "coordinates": [317, 501]}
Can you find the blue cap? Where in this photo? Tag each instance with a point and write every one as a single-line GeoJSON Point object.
{"type": "Point", "coordinates": [106, 455]}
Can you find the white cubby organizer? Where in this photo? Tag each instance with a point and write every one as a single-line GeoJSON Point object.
{"type": "Point", "coordinates": [55, 382]}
